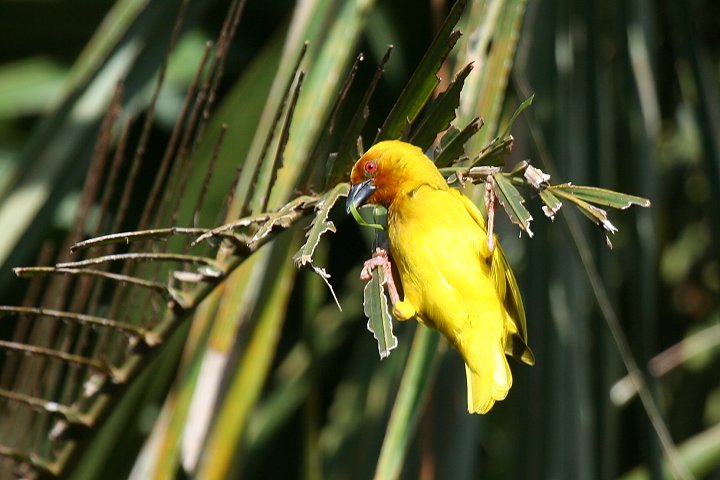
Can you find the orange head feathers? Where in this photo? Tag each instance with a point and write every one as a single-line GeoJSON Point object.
{"type": "Point", "coordinates": [388, 169]}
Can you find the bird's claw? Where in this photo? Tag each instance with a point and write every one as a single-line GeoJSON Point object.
{"type": "Point", "coordinates": [381, 259]}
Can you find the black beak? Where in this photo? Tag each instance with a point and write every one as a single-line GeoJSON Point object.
{"type": "Point", "coordinates": [359, 194]}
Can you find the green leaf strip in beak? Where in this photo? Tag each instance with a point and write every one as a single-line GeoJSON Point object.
{"type": "Point", "coordinates": [359, 194]}
{"type": "Point", "coordinates": [357, 197]}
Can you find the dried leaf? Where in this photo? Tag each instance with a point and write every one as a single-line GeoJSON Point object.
{"type": "Point", "coordinates": [535, 176]}
{"type": "Point", "coordinates": [135, 236]}
{"type": "Point", "coordinates": [222, 229]}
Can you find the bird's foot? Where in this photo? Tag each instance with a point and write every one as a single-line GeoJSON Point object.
{"type": "Point", "coordinates": [381, 259]}
{"type": "Point", "coordinates": [490, 207]}
{"type": "Point", "coordinates": [403, 310]}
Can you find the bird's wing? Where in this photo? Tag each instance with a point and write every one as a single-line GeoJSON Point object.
{"type": "Point", "coordinates": [507, 289]}
{"type": "Point", "coordinates": [501, 272]}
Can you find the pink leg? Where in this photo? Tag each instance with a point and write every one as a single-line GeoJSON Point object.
{"type": "Point", "coordinates": [490, 207]}
{"type": "Point", "coordinates": [380, 259]}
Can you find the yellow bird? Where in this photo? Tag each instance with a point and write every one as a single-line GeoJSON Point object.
{"type": "Point", "coordinates": [452, 280]}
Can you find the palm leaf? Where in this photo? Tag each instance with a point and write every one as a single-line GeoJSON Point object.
{"type": "Point", "coordinates": [166, 332]}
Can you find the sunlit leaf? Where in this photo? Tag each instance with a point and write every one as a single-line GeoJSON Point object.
{"type": "Point", "coordinates": [596, 214]}
{"type": "Point", "coordinates": [552, 204]}
{"type": "Point", "coordinates": [319, 226]}
{"type": "Point", "coordinates": [494, 153]}
{"type": "Point", "coordinates": [602, 196]}
{"type": "Point", "coordinates": [339, 163]}
{"type": "Point", "coordinates": [453, 148]}
{"type": "Point", "coordinates": [525, 104]}
{"type": "Point", "coordinates": [512, 201]}
{"type": "Point", "coordinates": [424, 79]}
{"type": "Point", "coordinates": [440, 112]}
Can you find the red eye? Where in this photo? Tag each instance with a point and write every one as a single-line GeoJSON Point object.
{"type": "Point", "coordinates": [371, 167]}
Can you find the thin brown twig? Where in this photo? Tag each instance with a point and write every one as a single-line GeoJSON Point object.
{"type": "Point", "coordinates": [158, 287]}
{"type": "Point", "coordinates": [251, 168]}
{"type": "Point", "coordinates": [208, 174]}
{"type": "Point", "coordinates": [207, 100]}
{"type": "Point", "coordinates": [152, 257]}
{"type": "Point", "coordinates": [160, 178]}
{"type": "Point", "coordinates": [24, 348]}
{"type": "Point", "coordinates": [68, 413]}
{"type": "Point", "coordinates": [80, 318]}
{"type": "Point", "coordinates": [278, 160]}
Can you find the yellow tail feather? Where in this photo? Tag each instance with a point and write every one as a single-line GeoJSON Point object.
{"type": "Point", "coordinates": [484, 389]}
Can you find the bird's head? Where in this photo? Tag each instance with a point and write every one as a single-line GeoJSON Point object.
{"type": "Point", "coordinates": [388, 169]}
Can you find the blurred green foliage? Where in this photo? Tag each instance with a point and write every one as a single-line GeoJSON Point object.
{"type": "Point", "coordinates": [267, 378]}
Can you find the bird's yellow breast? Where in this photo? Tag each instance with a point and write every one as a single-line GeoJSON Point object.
{"type": "Point", "coordinates": [436, 246]}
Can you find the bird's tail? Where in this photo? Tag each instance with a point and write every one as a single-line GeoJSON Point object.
{"type": "Point", "coordinates": [491, 384]}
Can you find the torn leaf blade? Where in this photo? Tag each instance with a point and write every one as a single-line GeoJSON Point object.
{"type": "Point", "coordinates": [375, 306]}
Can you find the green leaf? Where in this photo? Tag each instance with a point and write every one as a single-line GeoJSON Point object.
{"type": "Point", "coordinates": [440, 112]}
{"type": "Point", "coordinates": [329, 170]}
{"type": "Point", "coordinates": [596, 214]}
{"type": "Point", "coordinates": [552, 203]}
{"type": "Point", "coordinates": [512, 201]}
{"type": "Point", "coordinates": [525, 104]}
{"type": "Point", "coordinates": [455, 146]}
{"type": "Point", "coordinates": [337, 165]}
{"type": "Point", "coordinates": [375, 306]}
{"type": "Point", "coordinates": [602, 196]}
{"type": "Point", "coordinates": [361, 221]}
{"type": "Point", "coordinates": [278, 163]}
{"type": "Point", "coordinates": [294, 376]}
{"type": "Point", "coordinates": [424, 79]}
{"type": "Point", "coordinates": [29, 86]}
{"type": "Point", "coordinates": [494, 153]}
{"type": "Point", "coordinates": [319, 226]}
{"type": "Point", "coordinates": [332, 29]}
{"type": "Point", "coordinates": [495, 28]}
{"type": "Point", "coordinates": [246, 384]}
{"type": "Point", "coordinates": [335, 55]}
{"type": "Point", "coordinates": [417, 379]}
{"type": "Point", "coordinates": [266, 172]}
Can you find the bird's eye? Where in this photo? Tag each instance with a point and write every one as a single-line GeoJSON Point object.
{"type": "Point", "coordinates": [370, 168]}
